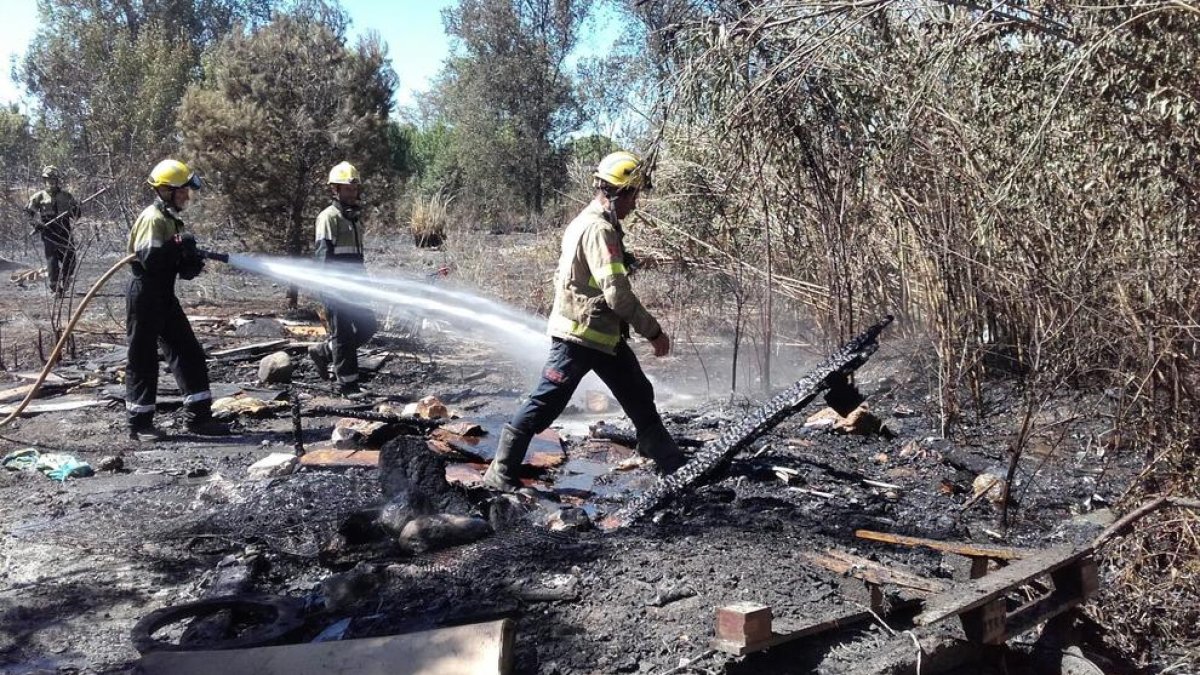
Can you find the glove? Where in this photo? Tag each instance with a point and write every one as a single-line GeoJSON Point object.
{"type": "Point", "coordinates": [190, 262]}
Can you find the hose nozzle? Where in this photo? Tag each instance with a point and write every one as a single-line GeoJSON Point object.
{"type": "Point", "coordinates": [213, 255]}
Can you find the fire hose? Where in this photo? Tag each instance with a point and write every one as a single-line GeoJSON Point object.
{"type": "Point", "coordinates": [52, 360]}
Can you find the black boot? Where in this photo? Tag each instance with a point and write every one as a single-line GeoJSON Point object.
{"type": "Point", "coordinates": [320, 355]}
{"type": "Point", "coordinates": [506, 466]}
{"type": "Point", "coordinates": [199, 421]}
{"type": "Point", "coordinates": [142, 429]}
{"type": "Point", "coordinates": [657, 444]}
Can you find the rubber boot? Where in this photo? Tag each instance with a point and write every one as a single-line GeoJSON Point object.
{"type": "Point", "coordinates": [320, 356]}
{"type": "Point", "coordinates": [199, 421]}
{"type": "Point", "coordinates": [506, 466]}
{"type": "Point", "coordinates": [142, 429]}
{"type": "Point", "coordinates": [657, 444]}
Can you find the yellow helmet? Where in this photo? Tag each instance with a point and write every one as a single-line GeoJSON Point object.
{"type": "Point", "coordinates": [622, 170]}
{"type": "Point", "coordinates": [173, 173]}
{"type": "Point", "coordinates": [51, 171]}
{"type": "Point", "coordinates": [343, 174]}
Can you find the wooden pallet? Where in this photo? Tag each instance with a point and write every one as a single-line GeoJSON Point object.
{"type": "Point", "coordinates": [982, 606]}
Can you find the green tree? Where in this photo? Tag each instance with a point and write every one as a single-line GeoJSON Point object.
{"type": "Point", "coordinates": [508, 98]}
{"type": "Point", "coordinates": [108, 75]}
{"type": "Point", "coordinates": [279, 106]}
{"type": "Point", "coordinates": [16, 142]}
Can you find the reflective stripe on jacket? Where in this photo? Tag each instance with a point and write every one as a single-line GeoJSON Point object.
{"type": "Point", "coordinates": [338, 238]}
{"type": "Point", "coordinates": [592, 295]}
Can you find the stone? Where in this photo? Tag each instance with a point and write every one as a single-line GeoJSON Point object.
{"type": "Point", "coordinates": [354, 433]}
{"type": "Point", "coordinates": [274, 464]}
{"type": "Point", "coordinates": [275, 368]}
{"type": "Point", "coordinates": [571, 519]}
{"type": "Point", "coordinates": [433, 533]}
{"type": "Point", "coordinates": [111, 463]}
{"type": "Point", "coordinates": [431, 408]}
{"type": "Point", "coordinates": [597, 401]}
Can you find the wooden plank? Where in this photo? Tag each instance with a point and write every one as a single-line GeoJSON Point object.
{"type": "Point", "coordinates": [1034, 613]}
{"type": "Point", "coordinates": [56, 405]}
{"type": "Point", "coordinates": [869, 571]}
{"type": "Point", "coordinates": [331, 458]}
{"type": "Point", "coordinates": [246, 350]}
{"type": "Point", "coordinates": [53, 379]}
{"type": "Point", "coordinates": [987, 624]}
{"type": "Point", "coordinates": [483, 648]}
{"type": "Point", "coordinates": [967, 596]}
{"type": "Point", "coordinates": [791, 634]}
{"type": "Point", "coordinates": [968, 550]}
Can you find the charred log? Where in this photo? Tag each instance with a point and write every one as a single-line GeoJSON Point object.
{"type": "Point", "coordinates": [736, 437]}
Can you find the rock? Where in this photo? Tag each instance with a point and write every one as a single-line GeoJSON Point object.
{"type": "Point", "coordinates": [464, 428]}
{"type": "Point", "coordinates": [274, 464]}
{"type": "Point", "coordinates": [431, 408]}
{"type": "Point", "coordinates": [880, 458]}
{"type": "Point", "coordinates": [218, 490]}
{"type": "Point", "coordinates": [571, 519]}
{"type": "Point", "coordinates": [275, 368]}
{"type": "Point", "coordinates": [990, 483]}
{"type": "Point", "coordinates": [433, 533]}
{"type": "Point", "coordinates": [597, 401]}
{"type": "Point", "coordinates": [111, 463]}
{"type": "Point", "coordinates": [354, 433]}
{"type": "Point", "coordinates": [911, 449]}
{"type": "Point", "coordinates": [263, 327]}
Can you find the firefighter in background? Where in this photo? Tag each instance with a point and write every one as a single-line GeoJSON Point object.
{"type": "Point", "coordinates": [594, 306]}
{"type": "Point", "coordinates": [52, 210]}
{"type": "Point", "coordinates": [339, 243]}
{"type": "Point", "coordinates": [154, 316]}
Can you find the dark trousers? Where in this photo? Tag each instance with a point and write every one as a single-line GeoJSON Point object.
{"type": "Point", "coordinates": [565, 368]}
{"type": "Point", "coordinates": [350, 327]}
{"type": "Point", "coordinates": [60, 258]}
{"type": "Point", "coordinates": [155, 320]}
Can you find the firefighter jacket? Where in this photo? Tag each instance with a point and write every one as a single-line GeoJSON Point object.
{"type": "Point", "coordinates": [54, 208]}
{"type": "Point", "coordinates": [339, 234]}
{"type": "Point", "coordinates": [156, 239]}
{"type": "Point", "coordinates": [593, 301]}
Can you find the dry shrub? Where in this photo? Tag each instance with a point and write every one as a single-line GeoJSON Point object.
{"type": "Point", "coordinates": [429, 220]}
{"type": "Point", "coordinates": [1018, 187]}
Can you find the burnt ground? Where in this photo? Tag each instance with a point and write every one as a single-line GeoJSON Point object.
{"type": "Point", "coordinates": [84, 560]}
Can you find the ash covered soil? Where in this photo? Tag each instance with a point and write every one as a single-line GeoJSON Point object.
{"type": "Point", "coordinates": [83, 560]}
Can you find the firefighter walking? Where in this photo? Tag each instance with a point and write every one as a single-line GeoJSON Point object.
{"type": "Point", "coordinates": [594, 306]}
{"type": "Point", "coordinates": [154, 316]}
{"type": "Point", "coordinates": [52, 210]}
{"type": "Point", "coordinates": [339, 245]}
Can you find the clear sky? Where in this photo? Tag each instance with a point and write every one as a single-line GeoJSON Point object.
{"type": "Point", "coordinates": [412, 29]}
